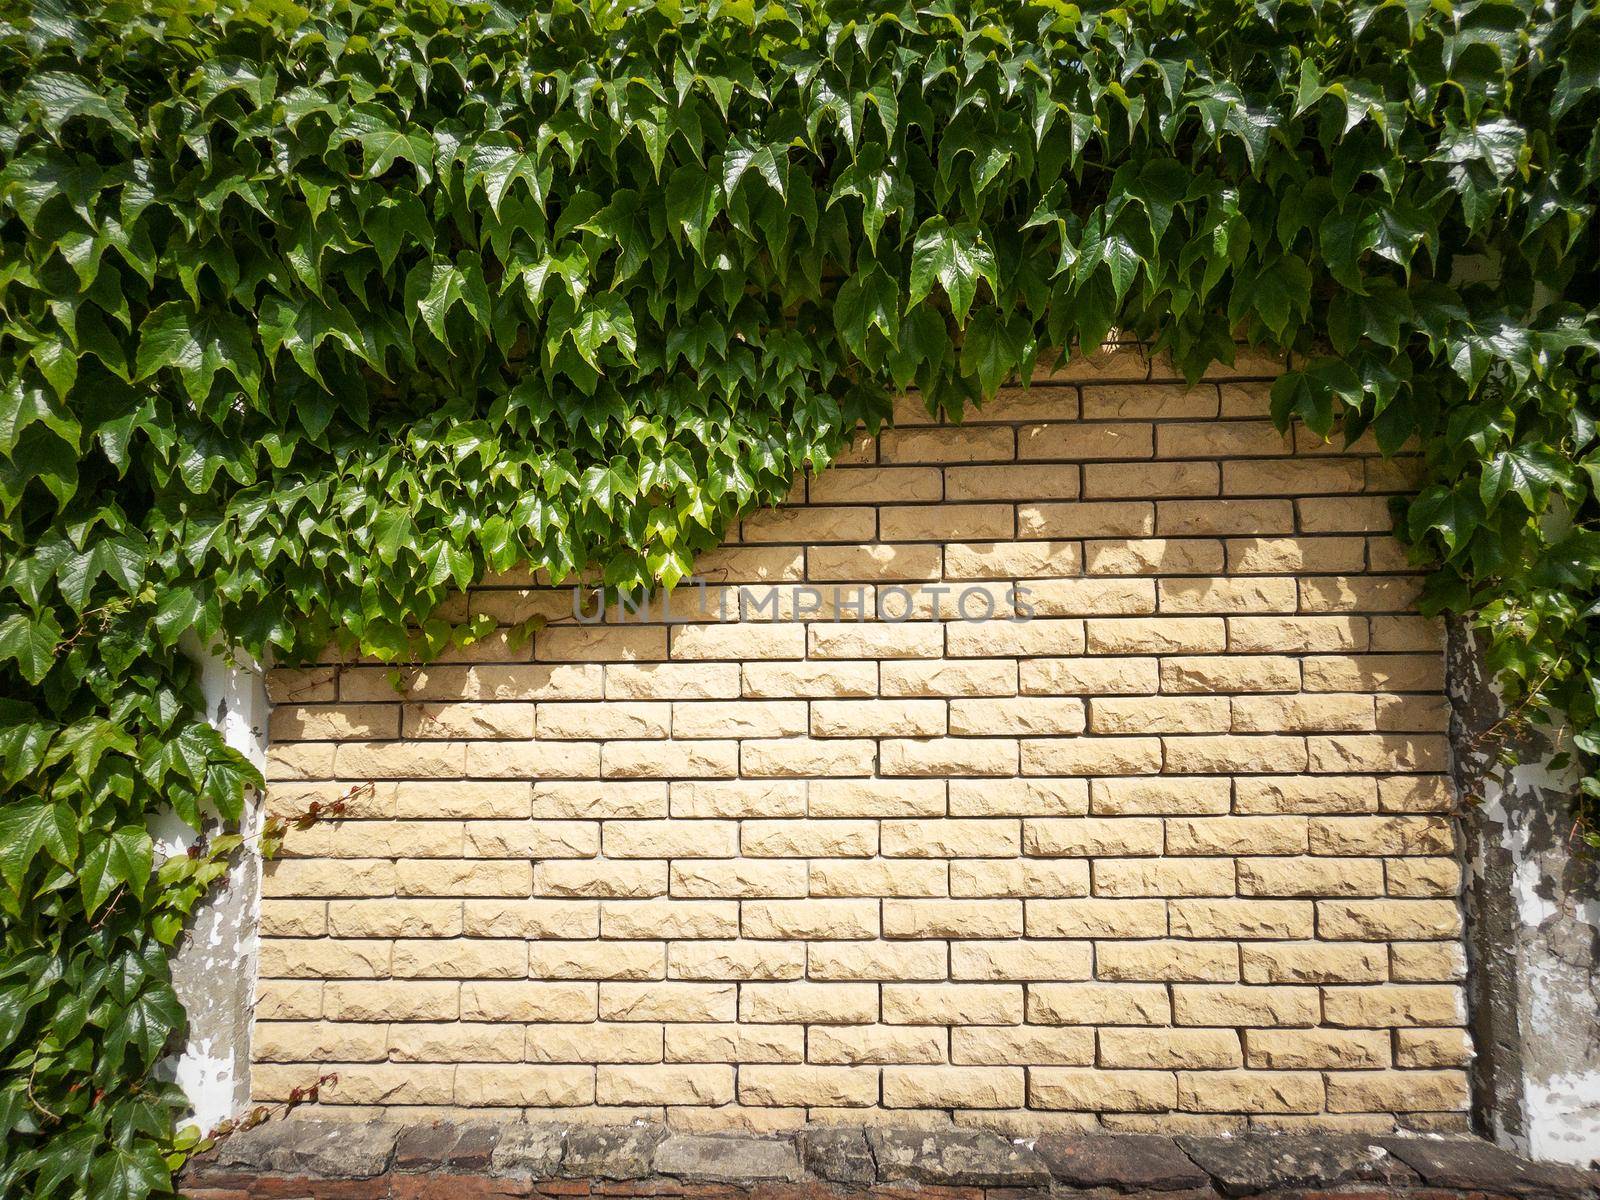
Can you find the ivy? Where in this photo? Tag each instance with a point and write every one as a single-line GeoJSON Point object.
{"type": "Point", "coordinates": [310, 317]}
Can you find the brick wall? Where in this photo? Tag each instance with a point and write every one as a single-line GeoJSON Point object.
{"type": "Point", "coordinates": [1176, 852]}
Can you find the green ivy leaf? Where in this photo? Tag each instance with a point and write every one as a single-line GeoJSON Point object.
{"type": "Point", "coordinates": [954, 256]}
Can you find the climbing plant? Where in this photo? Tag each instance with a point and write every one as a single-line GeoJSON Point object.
{"type": "Point", "coordinates": [311, 316]}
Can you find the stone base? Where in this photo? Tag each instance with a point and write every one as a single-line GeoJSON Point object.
{"type": "Point", "coordinates": [317, 1160]}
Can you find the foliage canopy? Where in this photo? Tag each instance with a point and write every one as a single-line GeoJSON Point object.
{"type": "Point", "coordinates": [309, 317]}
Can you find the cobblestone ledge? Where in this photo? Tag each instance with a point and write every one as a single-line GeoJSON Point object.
{"type": "Point", "coordinates": [326, 1160]}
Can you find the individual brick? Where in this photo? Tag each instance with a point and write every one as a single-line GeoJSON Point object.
{"type": "Point", "coordinates": [1388, 920]}
{"type": "Point", "coordinates": [1156, 479]}
{"type": "Point", "coordinates": [1378, 752]}
{"type": "Point", "coordinates": [1302, 714]}
{"type": "Point", "coordinates": [601, 879]}
{"type": "Point", "coordinates": [952, 918]}
{"type": "Point", "coordinates": [1397, 1091]}
{"type": "Point", "coordinates": [1289, 555]}
{"type": "Point", "coordinates": [952, 1003]}
{"type": "Point", "coordinates": [1018, 877]}
{"type": "Point", "coordinates": [1247, 754]}
{"type": "Point", "coordinates": [593, 800]}
{"type": "Point", "coordinates": [672, 681]}
{"type": "Point", "coordinates": [1170, 1049]}
{"type": "Point", "coordinates": [453, 1042]}
{"type": "Point", "coordinates": [608, 720]}
{"type": "Point", "coordinates": [1213, 518]}
{"type": "Point", "coordinates": [389, 1000]}
{"type": "Point", "coordinates": [1021, 961]}
{"type": "Point", "coordinates": [719, 1043]}
{"type": "Point", "coordinates": [1016, 715]}
{"type": "Point", "coordinates": [992, 639]}
{"type": "Point", "coordinates": [1159, 797]}
{"type": "Point", "coordinates": [1167, 961]}
{"type": "Point", "coordinates": [738, 642]}
{"type": "Point", "coordinates": [1427, 962]}
{"type": "Point", "coordinates": [942, 679]}
{"type": "Point", "coordinates": [600, 643]}
{"type": "Point", "coordinates": [601, 1042]}
{"type": "Point", "coordinates": [334, 722]}
{"type": "Point", "coordinates": [1314, 962]}
{"type": "Point", "coordinates": [463, 877]}
{"type": "Point", "coordinates": [951, 756]}
{"type": "Point", "coordinates": [811, 918]}
{"type": "Point", "coordinates": [946, 522]}
{"type": "Point", "coordinates": [1156, 635]}
{"type": "Point", "coordinates": [1012, 560]}
{"type": "Point", "coordinates": [667, 1001]}
{"type": "Point", "coordinates": [1423, 877]}
{"type": "Point", "coordinates": [532, 760]}
{"type": "Point", "coordinates": [1093, 1089]}
{"type": "Point", "coordinates": [874, 641]}
{"type": "Point", "coordinates": [288, 1000]}
{"type": "Point", "coordinates": [1086, 519]}
{"type": "Point", "coordinates": [877, 877]}
{"type": "Point", "coordinates": [877, 718]}
{"type": "Point", "coordinates": [1077, 441]}
{"type": "Point", "coordinates": [810, 679]}
{"type": "Point", "coordinates": [857, 1045]}
{"type": "Point", "coordinates": [1370, 836]}
{"type": "Point", "coordinates": [879, 485]}
{"type": "Point", "coordinates": [1094, 917]}
{"type": "Point", "coordinates": [1091, 756]}
{"type": "Point", "coordinates": [815, 523]}
{"type": "Point", "coordinates": [664, 1084]}
{"type": "Point", "coordinates": [1234, 1005]}
{"type": "Point", "coordinates": [947, 445]}
{"type": "Point", "coordinates": [1375, 673]}
{"type": "Point", "coordinates": [1088, 837]}
{"type": "Point", "coordinates": [320, 1041]}
{"type": "Point", "coordinates": [1159, 714]}
{"type": "Point", "coordinates": [885, 560]}
{"type": "Point", "coordinates": [461, 958]}
{"type": "Point", "coordinates": [1430, 1048]}
{"type": "Point", "coordinates": [572, 919]}
{"type": "Point", "coordinates": [950, 838]}
{"type": "Point", "coordinates": [1089, 676]}
{"type": "Point", "coordinates": [877, 797]}
{"type": "Point", "coordinates": [1280, 635]}
{"type": "Point", "coordinates": [876, 960]}
{"type": "Point", "coordinates": [1394, 1004]}
{"type": "Point", "coordinates": [658, 919]}
{"type": "Point", "coordinates": [596, 960]}
{"type": "Point", "coordinates": [809, 839]}
{"type": "Point", "coordinates": [1098, 1004]}
{"type": "Point", "coordinates": [1250, 1091]}
{"type": "Point", "coordinates": [1306, 794]}
{"type": "Point", "coordinates": [1209, 675]}
{"type": "Point", "coordinates": [808, 1003]}
{"type": "Point", "coordinates": [953, 1087]}
{"type": "Point", "coordinates": [1018, 797]}
{"type": "Point", "coordinates": [1316, 1049]}
{"type": "Point", "coordinates": [740, 960]}
{"type": "Point", "coordinates": [1243, 920]}
{"type": "Point", "coordinates": [808, 1085]}
{"type": "Point", "coordinates": [671, 839]}
{"type": "Point", "coordinates": [1305, 876]}
{"type": "Point", "coordinates": [738, 879]}
{"type": "Point", "coordinates": [1163, 877]}
{"type": "Point", "coordinates": [737, 798]}
{"type": "Point", "coordinates": [1240, 836]}
{"type": "Point", "coordinates": [1153, 556]}
{"type": "Point", "coordinates": [532, 839]}
{"type": "Point", "coordinates": [788, 758]}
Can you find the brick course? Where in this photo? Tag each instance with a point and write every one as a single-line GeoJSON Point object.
{"type": "Point", "coordinates": [1174, 853]}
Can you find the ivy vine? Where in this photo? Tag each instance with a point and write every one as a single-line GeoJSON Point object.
{"type": "Point", "coordinates": [310, 317]}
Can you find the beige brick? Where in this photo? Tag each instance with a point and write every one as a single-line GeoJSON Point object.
{"type": "Point", "coordinates": [596, 800]}
{"type": "Point", "coordinates": [738, 960]}
{"type": "Point", "coordinates": [288, 1000]}
{"type": "Point", "coordinates": [1086, 837]}
{"type": "Point", "coordinates": [1093, 1089]}
{"type": "Point", "coordinates": [669, 919]}
{"type": "Point", "coordinates": [375, 839]}
{"type": "Point", "coordinates": [1423, 877]}
{"type": "Point", "coordinates": [532, 839]}
{"type": "Point", "coordinates": [1020, 961]}
{"type": "Point", "coordinates": [1272, 635]}
{"type": "Point", "coordinates": [878, 797]}
{"type": "Point", "coordinates": [1430, 1048]}
{"type": "Point", "coordinates": [1406, 635]}
{"type": "Point", "coordinates": [1085, 519]}
{"type": "Point", "coordinates": [939, 679]}
{"type": "Point", "coordinates": [1346, 514]}
{"type": "Point", "coordinates": [1374, 673]}
{"type": "Point", "coordinates": [596, 960]}
{"type": "Point", "coordinates": [1021, 1045]}
{"type": "Point", "coordinates": [1243, 1005]}
{"type": "Point", "coordinates": [531, 760]}
{"type": "Point", "coordinates": [480, 681]}
{"type": "Point", "coordinates": [1156, 714]}
{"type": "Point", "coordinates": [1315, 962]}
{"type": "Point", "coordinates": [524, 918]}
{"type": "Point", "coordinates": [1378, 752]}
{"type": "Point", "coordinates": [1249, 754]}
{"type": "Point", "coordinates": [386, 1000]}
{"type": "Point", "coordinates": [990, 639]}
{"type": "Point", "coordinates": [1096, 918]}
{"type": "Point", "coordinates": [879, 485]}
{"type": "Point", "coordinates": [1368, 836]}
{"type": "Point", "coordinates": [1167, 961]}
{"type": "Point", "coordinates": [316, 877]}
{"type": "Point", "coordinates": [1007, 482]}
{"type": "Point", "coordinates": [1170, 1049]}
{"type": "Point", "coordinates": [813, 524]}
{"type": "Point", "coordinates": [811, 918]}
{"type": "Point", "coordinates": [947, 445]}
{"type": "Point", "coordinates": [1226, 439]}
{"type": "Point", "coordinates": [1021, 877]}
{"type": "Point", "coordinates": [1284, 555]}
{"type": "Point", "coordinates": [954, 838]}
{"type": "Point", "coordinates": [1091, 756]}
{"type": "Point", "coordinates": [1163, 877]}
{"type": "Point", "coordinates": [298, 760]}
{"type": "Point", "coordinates": [464, 958]}
{"type": "Point", "coordinates": [672, 681]}
{"type": "Point", "coordinates": [751, 564]}
{"type": "Point", "coordinates": [739, 879]}
{"type": "Point", "coordinates": [858, 641]}
{"type": "Point", "coordinates": [455, 1041]}
{"type": "Point", "coordinates": [885, 560]}
{"type": "Point", "coordinates": [371, 1083]}
{"type": "Point", "coordinates": [876, 1044]}
{"type": "Point", "coordinates": [1208, 675]}
{"type": "Point", "coordinates": [1301, 714]}
{"type": "Point", "coordinates": [607, 720]}
{"type": "Point", "coordinates": [809, 839]}
{"type": "Point", "coordinates": [952, 918]}
{"type": "Point", "coordinates": [952, 1003]}
{"type": "Point", "coordinates": [1414, 714]}
{"type": "Point", "coordinates": [1158, 797]}
{"type": "Point", "coordinates": [665, 1084]}
{"type": "Point", "coordinates": [1398, 1091]}
{"type": "Point", "coordinates": [469, 719]}
{"type": "Point", "coordinates": [953, 1087]}
{"type": "Point", "coordinates": [877, 877]}
{"type": "Point", "coordinates": [1394, 1004]}
{"type": "Point", "coordinates": [1424, 793]}
{"type": "Point", "coordinates": [1316, 1049]}
{"type": "Point", "coordinates": [735, 1043]}
{"type": "Point", "coordinates": [671, 839]}
{"type": "Point", "coordinates": [947, 756]}
{"type": "Point", "coordinates": [672, 1000]}
{"type": "Point", "coordinates": [1153, 556]}
{"type": "Point", "coordinates": [1098, 1004]}
{"type": "Point", "coordinates": [1137, 480]}
{"type": "Point", "coordinates": [810, 679]}
{"type": "Point", "coordinates": [946, 523]}
{"type": "Point", "coordinates": [1360, 593]}
{"type": "Point", "coordinates": [334, 722]}
{"type": "Point", "coordinates": [1251, 919]}
{"type": "Point", "coordinates": [1018, 797]}
{"type": "Point", "coordinates": [1212, 518]}
{"type": "Point", "coordinates": [464, 877]}
{"type": "Point", "coordinates": [1388, 920]}
{"type": "Point", "coordinates": [596, 1043]}
{"type": "Point", "coordinates": [295, 918]}
{"type": "Point", "coordinates": [600, 643]}
{"type": "Point", "coordinates": [1016, 716]}
{"type": "Point", "coordinates": [738, 642]}
{"type": "Point", "coordinates": [833, 1087]}
{"type": "Point", "coordinates": [1305, 794]}
{"type": "Point", "coordinates": [308, 685]}
{"type": "Point", "coordinates": [1156, 635]}
{"type": "Point", "coordinates": [878, 718]}
{"type": "Point", "coordinates": [1089, 676]}
{"type": "Point", "coordinates": [1236, 835]}
{"type": "Point", "coordinates": [737, 798]}
{"type": "Point", "coordinates": [808, 1003]}
{"type": "Point", "coordinates": [1303, 876]}
{"type": "Point", "coordinates": [1077, 441]}
{"type": "Point", "coordinates": [506, 1000]}
{"type": "Point", "coordinates": [1427, 962]}
{"type": "Point", "coordinates": [847, 961]}
{"type": "Point", "coordinates": [1162, 401]}
{"type": "Point", "coordinates": [600, 878]}
{"type": "Point", "coordinates": [319, 1041]}
{"type": "Point", "coordinates": [1250, 1091]}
